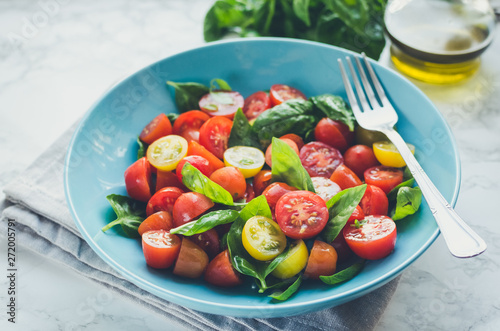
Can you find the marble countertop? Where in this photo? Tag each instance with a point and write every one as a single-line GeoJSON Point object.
{"type": "Point", "coordinates": [57, 57]}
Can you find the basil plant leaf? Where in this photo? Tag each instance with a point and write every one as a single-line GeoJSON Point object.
{"type": "Point", "coordinates": [130, 214]}
{"type": "Point", "coordinates": [407, 202]}
{"type": "Point", "coordinates": [206, 222]}
{"type": "Point", "coordinates": [242, 133]}
{"type": "Point", "coordinates": [219, 84]}
{"type": "Point", "coordinates": [198, 182]}
{"type": "Point", "coordinates": [335, 108]}
{"type": "Point", "coordinates": [141, 152]}
{"type": "Point", "coordinates": [286, 294]}
{"type": "Point", "coordinates": [340, 207]}
{"type": "Point", "coordinates": [187, 95]}
{"type": "Point", "coordinates": [344, 275]}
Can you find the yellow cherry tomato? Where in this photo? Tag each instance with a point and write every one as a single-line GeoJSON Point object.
{"type": "Point", "coordinates": [294, 262]}
{"type": "Point", "coordinates": [263, 238]}
{"type": "Point", "coordinates": [249, 160]}
{"type": "Point", "coordinates": [387, 154]}
{"type": "Point", "coordinates": [166, 152]}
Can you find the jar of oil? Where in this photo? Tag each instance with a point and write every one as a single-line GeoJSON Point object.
{"type": "Point", "coordinates": [438, 41]}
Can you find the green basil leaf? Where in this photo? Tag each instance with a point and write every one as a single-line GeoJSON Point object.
{"type": "Point", "coordinates": [287, 168]}
{"type": "Point", "coordinates": [407, 202]}
{"type": "Point", "coordinates": [141, 152]}
{"type": "Point", "coordinates": [198, 182]}
{"type": "Point", "coordinates": [242, 133]}
{"type": "Point", "coordinates": [264, 13]}
{"type": "Point", "coordinates": [343, 275]}
{"type": "Point", "coordinates": [392, 195]}
{"type": "Point", "coordinates": [286, 294]}
{"type": "Point", "coordinates": [172, 117]}
{"type": "Point", "coordinates": [335, 108]}
{"type": "Point", "coordinates": [187, 95]}
{"type": "Point", "coordinates": [301, 9]}
{"type": "Point", "coordinates": [340, 207]}
{"type": "Point", "coordinates": [129, 214]}
{"type": "Point", "coordinates": [278, 285]}
{"type": "Point", "coordinates": [219, 84]}
{"type": "Point", "coordinates": [257, 206]}
{"type": "Point", "coordinates": [206, 222]}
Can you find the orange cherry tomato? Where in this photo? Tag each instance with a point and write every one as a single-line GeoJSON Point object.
{"type": "Point", "coordinates": [160, 248]}
{"type": "Point", "coordinates": [161, 220]}
{"type": "Point", "coordinates": [231, 179]}
{"type": "Point", "coordinates": [322, 261]}
{"type": "Point", "coordinates": [345, 177]}
{"type": "Point", "coordinates": [191, 261]}
{"type": "Point", "coordinates": [159, 127]}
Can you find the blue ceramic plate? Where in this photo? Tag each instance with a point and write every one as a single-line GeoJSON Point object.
{"type": "Point", "coordinates": [104, 145]}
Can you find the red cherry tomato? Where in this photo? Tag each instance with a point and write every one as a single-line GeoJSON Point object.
{"type": "Point", "coordinates": [160, 248]}
{"type": "Point", "coordinates": [334, 133]}
{"type": "Point", "coordinates": [161, 220]}
{"type": "Point", "coordinates": [188, 206]}
{"type": "Point", "coordinates": [301, 214]}
{"type": "Point", "coordinates": [138, 180]}
{"type": "Point", "coordinates": [221, 103]}
{"type": "Point", "coordinates": [261, 181]}
{"type": "Point", "coordinates": [269, 150]}
{"type": "Point", "coordinates": [159, 127]}
{"type": "Point", "coordinates": [208, 241]}
{"type": "Point", "coordinates": [345, 177]}
{"type": "Point", "coordinates": [374, 201]}
{"type": "Point", "coordinates": [280, 93]}
{"type": "Point", "coordinates": [249, 192]}
{"type": "Point", "coordinates": [341, 247]}
{"type": "Point", "coordinates": [188, 124]}
{"type": "Point", "coordinates": [295, 138]}
{"type": "Point", "coordinates": [384, 177]}
{"type": "Point", "coordinates": [322, 261]}
{"type": "Point", "coordinates": [359, 158]}
{"type": "Point", "coordinates": [375, 239]}
{"type": "Point", "coordinates": [320, 159]}
{"type": "Point", "coordinates": [325, 187]}
{"type": "Point", "coordinates": [275, 191]}
{"type": "Point", "coordinates": [168, 179]}
{"type": "Point", "coordinates": [220, 271]}
{"type": "Point", "coordinates": [164, 199]}
{"type": "Point", "coordinates": [357, 214]}
{"type": "Point", "coordinates": [214, 135]}
{"type": "Point", "coordinates": [196, 161]}
{"type": "Point", "coordinates": [256, 104]}
{"type": "Point", "coordinates": [194, 148]}
{"type": "Point", "coordinates": [191, 261]}
{"type": "Point", "coordinates": [231, 179]}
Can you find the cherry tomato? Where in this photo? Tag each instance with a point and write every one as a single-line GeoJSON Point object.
{"type": "Point", "coordinates": [256, 104]}
{"type": "Point", "coordinates": [221, 103]}
{"type": "Point", "coordinates": [138, 180]}
{"type": "Point", "coordinates": [231, 179]}
{"type": "Point", "coordinates": [192, 260]}
{"type": "Point", "coordinates": [387, 154]}
{"type": "Point", "coordinates": [249, 160]}
{"type": "Point", "coordinates": [325, 187]}
{"type": "Point", "coordinates": [188, 124]}
{"type": "Point", "coordinates": [166, 152]}
{"type": "Point", "coordinates": [334, 133]}
{"type": "Point", "coordinates": [164, 199]}
{"type": "Point", "coordinates": [194, 148]}
{"type": "Point", "coordinates": [261, 181]}
{"type": "Point", "coordinates": [358, 158]}
{"type": "Point", "coordinates": [384, 177]}
{"type": "Point", "coordinates": [208, 241]}
{"type": "Point", "coordinates": [322, 261]}
{"type": "Point", "coordinates": [160, 248]}
{"type": "Point", "coordinates": [294, 262]}
{"type": "Point", "coordinates": [274, 192]}
{"type": "Point", "coordinates": [188, 206]}
{"type": "Point", "coordinates": [220, 271]}
{"type": "Point", "coordinates": [263, 238]}
{"type": "Point", "coordinates": [161, 220]}
{"type": "Point", "coordinates": [375, 239]}
{"type": "Point", "coordinates": [168, 179]}
{"type": "Point", "coordinates": [345, 177]}
{"type": "Point", "coordinates": [269, 150]}
{"type": "Point", "coordinates": [280, 93]}
{"type": "Point", "coordinates": [342, 249]}
{"type": "Point", "coordinates": [214, 135]}
{"type": "Point", "coordinates": [249, 192]}
{"type": "Point", "coordinates": [374, 201]}
{"type": "Point", "coordinates": [199, 162]}
{"type": "Point", "coordinates": [357, 214]}
{"type": "Point", "coordinates": [159, 127]}
{"type": "Point", "coordinates": [296, 139]}
{"type": "Point", "coordinates": [301, 214]}
{"type": "Point", "coordinates": [320, 159]}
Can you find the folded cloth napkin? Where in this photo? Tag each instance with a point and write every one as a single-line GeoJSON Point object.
{"type": "Point", "coordinates": [45, 225]}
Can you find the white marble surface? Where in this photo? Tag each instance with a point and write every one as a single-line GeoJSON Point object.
{"type": "Point", "coordinates": [57, 57]}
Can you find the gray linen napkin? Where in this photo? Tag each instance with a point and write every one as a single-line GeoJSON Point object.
{"type": "Point", "coordinates": [45, 224]}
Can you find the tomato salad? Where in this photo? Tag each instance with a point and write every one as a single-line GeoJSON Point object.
{"type": "Point", "coordinates": [274, 186]}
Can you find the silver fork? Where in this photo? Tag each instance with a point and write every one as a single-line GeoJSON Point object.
{"type": "Point", "coordinates": [461, 240]}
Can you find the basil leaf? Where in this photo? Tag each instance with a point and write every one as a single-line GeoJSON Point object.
{"type": "Point", "coordinates": [187, 95]}
{"type": "Point", "coordinates": [198, 182]}
{"type": "Point", "coordinates": [129, 214]}
{"type": "Point", "coordinates": [335, 108]}
{"type": "Point", "coordinates": [222, 85]}
{"type": "Point", "coordinates": [172, 117]}
{"type": "Point", "coordinates": [343, 275]}
{"type": "Point", "coordinates": [392, 195]}
{"type": "Point", "coordinates": [257, 206]}
{"type": "Point", "coordinates": [340, 207]}
{"type": "Point", "coordinates": [206, 222]}
{"type": "Point", "coordinates": [301, 9]}
{"type": "Point", "coordinates": [293, 116]}
{"type": "Point", "coordinates": [287, 168]}
{"type": "Point", "coordinates": [286, 294]}
{"type": "Point", "coordinates": [407, 203]}
{"type": "Point", "coordinates": [141, 152]}
{"type": "Point", "coordinates": [280, 284]}
{"type": "Point", "coordinates": [242, 133]}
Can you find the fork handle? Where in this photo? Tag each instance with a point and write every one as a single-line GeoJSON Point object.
{"type": "Point", "coordinates": [461, 240]}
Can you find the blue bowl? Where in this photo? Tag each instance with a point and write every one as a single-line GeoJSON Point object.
{"type": "Point", "coordinates": [104, 145]}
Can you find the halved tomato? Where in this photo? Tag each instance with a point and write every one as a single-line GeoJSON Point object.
{"type": "Point", "coordinates": [322, 261]}
{"type": "Point", "coordinates": [161, 220]}
{"type": "Point", "coordinates": [220, 271]}
{"type": "Point", "coordinates": [191, 261]}
{"type": "Point", "coordinates": [261, 181]}
{"type": "Point", "coordinates": [160, 248]}
{"type": "Point", "coordinates": [325, 187]}
{"type": "Point", "coordinates": [387, 154]}
{"type": "Point", "coordinates": [280, 93]}
{"type": "Point", "coordinates": [194, 148]}
{"type": "Point", "coordinates": [320, 159]}
{"type": "Point", "coordinates": [159, 127]}
{"type": "Point", "coordinates": [374, 201]}
{"type": "Point", "coordinates": [208, 241]}
{"type": "Point", "coordinates": [275, 191]}
{"type": "Point", "coordinates": [263, 238]}
{"type": "Point", "coordinates": [188, 124]}
{"type": "Point", "coordinates": [188, 206]}
{"type": "Point", "coordinates": [221, 103]}
{"type": "Point", "coordinates": [256, 104]}
{"type": "Point", "coordinates": [294, 262]}
{"type": "Point", "coordinates": [249, 160]}
{"type": "Point", "coordinates": [214, 135]}
{"type": "Point", "coordinates": [166, 152]}
{"type": "Point", "coordinates": [138, 180]}
{"type": "Point", "coordinates": [164, 199]}
{"type": "Point", "coordinates": [384, 177]}
{"type": "Point", "coordinates": [345, 177]}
